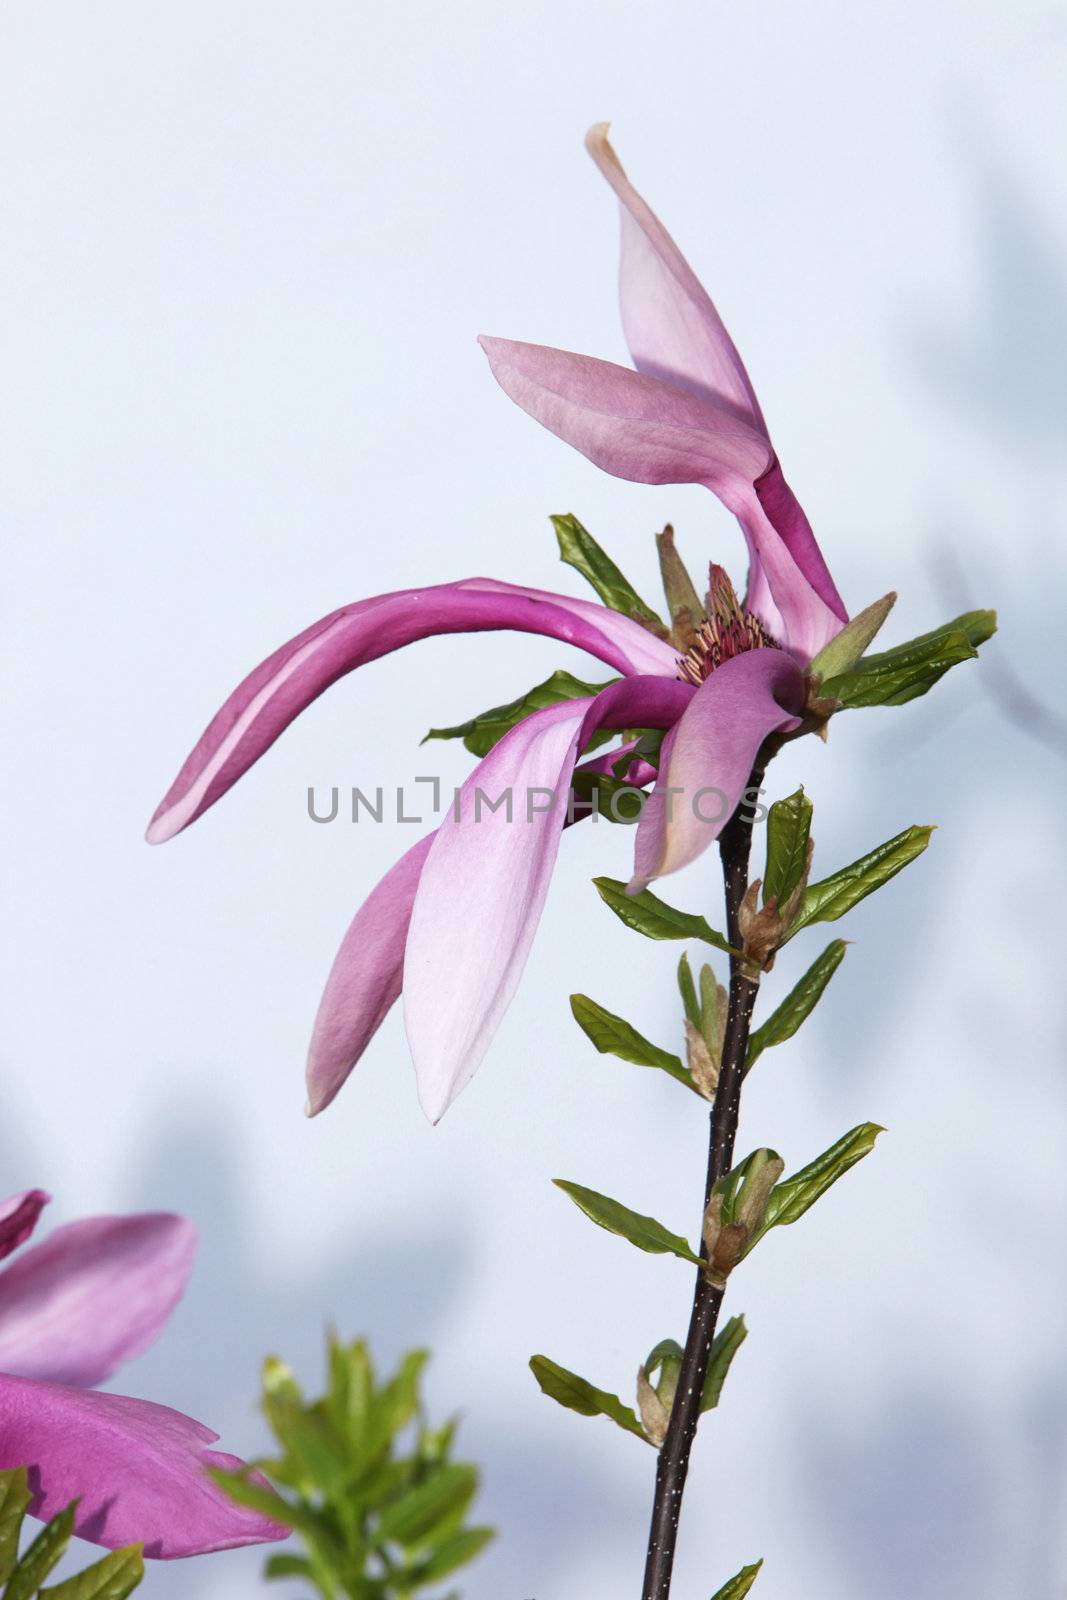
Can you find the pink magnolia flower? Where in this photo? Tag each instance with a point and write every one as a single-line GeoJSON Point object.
{"type": "Point", "coordinates": [451, 924]}
{"type": "Point", "coordinates": [94, 1294]}
{"type": "Point", "coordinates": [689, 414]}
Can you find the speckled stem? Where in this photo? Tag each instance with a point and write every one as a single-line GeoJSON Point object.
{"type": "Point", "coordinates": [673, 1464]}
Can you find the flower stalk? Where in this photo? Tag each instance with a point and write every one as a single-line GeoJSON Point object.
{"type": "Point", "coordinates": [672, 1467]}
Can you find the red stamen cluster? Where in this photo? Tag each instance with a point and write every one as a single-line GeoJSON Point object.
{"type": "Point", "coordinates": [728, 630]}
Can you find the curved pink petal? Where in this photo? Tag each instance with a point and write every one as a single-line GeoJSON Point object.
{"type": "Point", "coordinates": [672, 327]}
{"type": "Point", "coordinates": [94, 1294]}
{"type": "Point", "coordinates": [18, 1218]}
{"type": "Point", "coordinates": [786, 516]}
{"type": "Point", "coordinates": [367, 974]}
{"type": "Point", "coordinates": [648, 431]}
{"type": "Point", "coordinates": [288, 681]}
{"type": "Point", "coordinates": [364, 980]}
{"type": "Point", "coordinates": [486, 877]}
{"type": "Point", "coordinates": [707, 758]}
{"type": "Point", "coordinates": [138, 1469]}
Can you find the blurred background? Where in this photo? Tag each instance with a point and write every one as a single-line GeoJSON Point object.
{"type": "Point", "coordinates": [247, 250]}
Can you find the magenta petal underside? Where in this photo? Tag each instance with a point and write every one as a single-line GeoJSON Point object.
{"type": "Point", "coordinates": [18, 1218]}
{"type": "Point", "coordinates": [707, 758]}
{"type": "Point", "coordinates": [94, 1294]}
{"type": "Point", "coordinates": [365, 978]}
{"type": "Point", "coordinates": [487, 874]}
{"type": "Point", "coordinates": [138, 1469]}
{"type": "Point", "coordinates": [288, 681]}
{"type": "Point", "coordinates": [672, 328]}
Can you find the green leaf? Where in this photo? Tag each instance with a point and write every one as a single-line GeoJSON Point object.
{"type": "Point", "coordinates": [687, 989]}
{"type": "Point", "coordinates": [830, 899]}
{"type": "Point", "coordinates": [482, 732]}
{"type": "Point", "coordinates": [893, 677]}
{"type": "Point", "coordinates": [246, 1492]}
{"type": "Point", "coordinates": [453, 1553]}
{"type": "Point", "coordinates": [793, 1196]}
{"type": "Point", "coordinates": [435, 1507]}
{"type": "Point", "coordinates": [738, 1586]}
{"type": "Point", "coordinates": [846, 647]}
{"type": "Point", "coordinates": [678, 587]}
{"type": "Point", "coordinates": [798, 1004]}
{"type": "Point", "coordinates": [653, 917]}
{"type": "Point", "coordinates": [288, 1566]}
{"type": "Point", "coordinates": [42, 1555]}
{"type": "Point", "coordinates": [645, 1232]}
{"type": "Point", "coordinates": [113, 1578]}
{"type": "Point", "coordinates": [579, 550]}
{"type": "Point", "coordinates": [725, 1345]}
{"type": "Point", "coordinates": [788, 832]}
{"type": "Point", "coordinates": [615, 1037]}
{"type": "Point", "coordinates": [577, 1394]}
{"type": "Point", "coordinates": [616, 799]}
{"type": "Point", "coordinates": [14, 1500]}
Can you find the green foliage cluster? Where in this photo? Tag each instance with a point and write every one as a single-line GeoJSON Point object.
{"type": "Point", "coordinates": [370, 1489]}
{"type": "Point", "coordinates": [113, 1577]}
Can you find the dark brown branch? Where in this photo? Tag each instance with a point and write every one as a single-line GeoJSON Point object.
{"type": "Point", "coordinates": [673, 1464]}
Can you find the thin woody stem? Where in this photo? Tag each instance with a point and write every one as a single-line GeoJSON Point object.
{"type": "Point", "coordinates": [673, 1465]}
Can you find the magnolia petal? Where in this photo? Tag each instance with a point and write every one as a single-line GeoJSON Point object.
{"type": "Point", "coordinates": [137, 1469]}
{"type": "Point", "coordinates": [18, 1218]}
{"type": "Point", "coordinates": [288, 681]}
{"type": "Point", "coordinates": [707, 758]}
{"type": "Point", "coordinates": [94, 1294]}
{"type": "Point", "coordinates": [672, 327]}
{"type": "Point", "coordinates": [631, 425]}
{"type": "Point", "coordinates": [485, 880]}
{"type": "Point", "coordinates": [786, 516]}
{"type": "Point", "coordinates": [645, 430]}
{"type": "Point", "coordinates": [364, 980]}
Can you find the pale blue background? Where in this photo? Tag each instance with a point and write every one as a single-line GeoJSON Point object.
{"type": "Point", "coordinates": [246, 251]}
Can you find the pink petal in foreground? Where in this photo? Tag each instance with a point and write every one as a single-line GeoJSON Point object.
{"type": "Point", "coordinates": [264, 704]}
{"type": "Point", "coordinates": [672, 327]}
{"type": "Point", "coordinates": [486, 877]}
{"type": "Point", "coordinates": [708, 756]}
{"type": "Point", "coordinates": [366, 977]}
{"type": "Point", "coordinates": [18, 1218]}
{"type": "Point", "coordinates": [94, 1294]}
{"type": "Point", "coordinates": [139, 1470]}
{"type": "Point", "coordinates": [364, 980]}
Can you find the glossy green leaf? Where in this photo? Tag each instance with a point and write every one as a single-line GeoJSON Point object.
{"type": "Point", "coordinates": [793, 1196]}
{"type": "Point", "coordinates": [893, 677]}
{"type": "Point", "coordinates": [613, 1036]}
{"type": "Point", "coordinates": [798, 1004]}
{"type": "Point", "coordinates": [41, 1556]}
{"type": "Point", "coordinates": [739, 1586]}
{"type": "Point", "coordinates": [644, 1232]}
{"type": "Point", "coordinates": [432, 1510]}
{"type": "Point", "coordinates": [577, 1394]}
{"type": "Point", "coordinates": [646, 913]}
{"type": "Point", "coordinates": [112, 1578]}
{"type": "Point", "coordinates": [788, 832]}
{"type": "Point", "coordinates": [725, 1345]}
{"type": "Point", "coordinates": [830, 899]}
{"type": "Point", "coordinates": [14, 1501]}
{"type": "Point", "coordinates": [579, 550]}
{"type": "Point", "coordinates": [482, 732]}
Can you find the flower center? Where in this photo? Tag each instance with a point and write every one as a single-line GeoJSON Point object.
{"type": "Point", "coordinates": [728, 630]}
